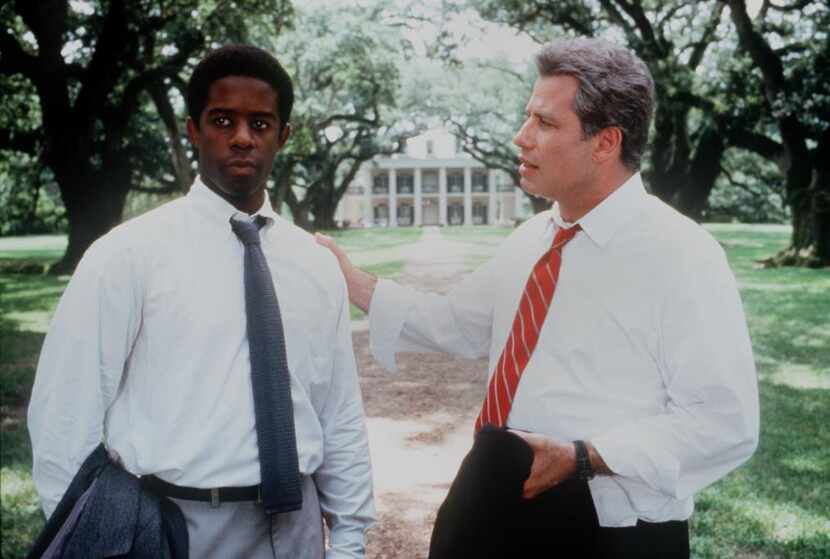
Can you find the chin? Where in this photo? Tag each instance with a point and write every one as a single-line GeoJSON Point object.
{"type": "Point", "coordinates": [533, 190]}
{"type": "Point", "coordinates": [242, 186]}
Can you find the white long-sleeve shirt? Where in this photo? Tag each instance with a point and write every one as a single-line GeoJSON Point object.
{"type": "Point", "coordinates": [148, 351]}
{"type": "Point", "coordinates": [644, 352]}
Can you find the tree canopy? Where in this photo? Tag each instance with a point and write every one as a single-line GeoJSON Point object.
{"type": "Point", "coordinates": [344, 62]}
{"type": "Point", "coordinates": [765, 93]}
{"type": "Point", "coordinates": [92, 100]}
{"type": "Point", "coordinates": [91, 91]}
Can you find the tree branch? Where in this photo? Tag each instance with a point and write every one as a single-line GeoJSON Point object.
{"type": "Point", "coordinates": [708, 34]}
{"type": "Point", "coordinates": [757, 143]}
{"type": "Point", "coordinates": [181, 164]}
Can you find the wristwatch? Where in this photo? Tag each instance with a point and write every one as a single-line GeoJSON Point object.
{"type": "Point", "coordinates": [584, 471]}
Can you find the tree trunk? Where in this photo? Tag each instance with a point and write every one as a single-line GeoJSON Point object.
{"type": "Point", "coordinates": [92, 209]}
{"type": "Point", "coordinates": [810, 244]}
{"type": "Point", "coordinates": [692, 198]}
{"type": "Point", "coordinates": [324, 217]}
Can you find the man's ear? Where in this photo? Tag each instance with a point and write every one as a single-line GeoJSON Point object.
{"type": "Point", "coordinates": [607, 143]}
{"type": "Point", "coordinates": [193, 133]}
{"type": "Point", "coordinates": [285, 132]}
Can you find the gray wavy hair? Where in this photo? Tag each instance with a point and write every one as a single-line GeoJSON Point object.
{"type": "Point", "coordinates": [615, 89]}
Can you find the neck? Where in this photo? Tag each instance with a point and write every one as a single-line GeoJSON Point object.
{"type": "Point", "coordinates": [590, 197]}
{"type": "Point", "coordinates": [246, 202]}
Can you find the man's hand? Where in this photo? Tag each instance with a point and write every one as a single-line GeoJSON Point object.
{"type": "Point", "coordinates": [361, 284]}
{"type": "Point", "coordinates": [553, 463]}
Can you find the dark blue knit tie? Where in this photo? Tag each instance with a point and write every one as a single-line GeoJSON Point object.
{"type": "Point", "coordinates": [278, 464]}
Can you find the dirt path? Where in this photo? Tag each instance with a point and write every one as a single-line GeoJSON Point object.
{"type": "Point", "coordinates": [420, 420]}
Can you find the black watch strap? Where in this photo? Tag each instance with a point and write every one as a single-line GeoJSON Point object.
{"type": "Point", "coordinates": [584, 471]}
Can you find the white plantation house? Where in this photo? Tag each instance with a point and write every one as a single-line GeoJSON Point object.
{"type": "Point", "coordinates": [431, 183]}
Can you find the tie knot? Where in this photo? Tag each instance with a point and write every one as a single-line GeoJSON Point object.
{"type": "Point", "coordinates": [247, 231]}
{"type": "Point", "coordinates": [565, 235]}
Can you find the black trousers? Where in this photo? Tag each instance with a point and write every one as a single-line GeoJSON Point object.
{"type": "Point", "coordinates": [646, 540]}
{"type": "Point", "coordinates": [485, 516]}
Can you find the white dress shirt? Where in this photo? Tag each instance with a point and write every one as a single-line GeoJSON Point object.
{"type": "Point", "coordinates": [148, 351]}
{"type": "Point", "coordinates": [644, 352]}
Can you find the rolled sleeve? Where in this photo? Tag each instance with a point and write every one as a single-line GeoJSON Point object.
{"type": "Point", "coordinates": [459, 323]}
{"type": "Point", "coordinates": [710, 422]}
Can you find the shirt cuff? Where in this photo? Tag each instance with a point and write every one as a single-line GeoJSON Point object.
{"type": "Point", "coordinates": [622, 451]}
{"type": "Point", "coordinates": [387, 313]}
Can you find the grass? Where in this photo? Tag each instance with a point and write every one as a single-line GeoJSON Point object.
{"type": "Point", "coordinates": [776, 506]}
{"type": "Point", "coordinates": [374, 238]}
{"type": "Point", "coordinates": [476, 234]}
{"type": "Point", "coordinates": [387, 270]}
{"type": "Point", "coordinates": [26, 303]}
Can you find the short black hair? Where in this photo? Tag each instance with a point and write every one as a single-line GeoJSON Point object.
{"type": "Point", "coordinates": [239, 60]}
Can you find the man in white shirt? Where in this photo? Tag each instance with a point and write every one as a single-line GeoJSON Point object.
{"type": "Point", "coordinates": [640, 378]}
{"type": "Point", "coordinates": [148, 349]}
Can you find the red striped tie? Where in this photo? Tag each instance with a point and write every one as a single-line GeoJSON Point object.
{"type": "Point", "coordinates": [524, 334]}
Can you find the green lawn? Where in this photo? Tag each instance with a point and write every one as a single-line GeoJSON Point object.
{"type": "Point", "coordinates": [374, 238]}
{"type": "Point", "coordinates": [775, 506]}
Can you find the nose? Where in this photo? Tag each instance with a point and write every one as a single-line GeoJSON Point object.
{"type": "Point", "coordinates": [243, 137]}
{"type": "Point", "coordinates": [522, 138]}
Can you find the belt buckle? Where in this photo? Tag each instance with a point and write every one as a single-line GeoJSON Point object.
{"type": "Point", "coordinates": [214, 497]}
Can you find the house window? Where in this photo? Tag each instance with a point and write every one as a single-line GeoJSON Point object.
{"type": "Point", "coordinates": [430, 147]}
{"type": "Point", "coordinates": [479, 213]}
{"type": "Point", "coordinates": [380, 183]}
{"type": "Point", "coordinates": [455, 214]}
{"type": "Point", "coordinates": [503, 184]}
{"type": "Point", "coordinates": [480, 181]}
{"type": "Point", "coordinates": [381, 215]}
{"type": "Point", "coordinates": [405, 183]}
{"type": "Point", "coordinates": [455, 182]}
{"type": "Point", "coordinates": [405, 215]}
{"type": "Point", "coordinates": [429, 182]}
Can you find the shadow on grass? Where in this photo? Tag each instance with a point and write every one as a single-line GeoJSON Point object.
{"type": "Point", "coordinates": [23, 292]}
{"type": "Point", "coordinates": [17, 366]}
{"type": "Point", "coordinates": [22, 518]}
{"type": "Point", "coordinates": [776, 504]}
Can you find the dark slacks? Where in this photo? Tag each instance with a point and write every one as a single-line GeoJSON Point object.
{"type": "Point", "coordinates": [485, 515]}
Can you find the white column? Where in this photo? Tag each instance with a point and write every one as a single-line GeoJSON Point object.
{"type": "Point", "coordinates": [518, 198]}
{"type": "Point", "coordinates": [442, 195]}
{"type": "Point", "coordinates": [468, 196]}
{"type": "Point", "coordinates": [418, 198]}
{"type": "Point", "coordinates": [366, 204]}
{"type": "Point", "coordinates": [393, 198]}
{"type": "Point", "coordinates": [492, 217]}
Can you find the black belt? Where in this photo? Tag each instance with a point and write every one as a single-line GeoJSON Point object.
{"type": "Point", "coordinates": [215, 496]}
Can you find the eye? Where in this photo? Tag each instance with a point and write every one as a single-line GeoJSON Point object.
{"type": "Point", "coordinates": [222, 121]}
{"type": "Point", "coordinates": [260, 124]}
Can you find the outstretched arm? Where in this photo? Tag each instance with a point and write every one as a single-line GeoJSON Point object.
{"type": "Point", "coordinates": [404, 319]}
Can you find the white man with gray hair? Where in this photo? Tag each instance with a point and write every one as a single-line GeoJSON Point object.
{"type": "Point", "coordinates": [622, 379]}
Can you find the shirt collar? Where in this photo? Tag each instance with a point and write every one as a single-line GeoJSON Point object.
{"type": "Point", "coordinates": [608, 216]}
{"type": "Point", "coordinates": [219, 209]}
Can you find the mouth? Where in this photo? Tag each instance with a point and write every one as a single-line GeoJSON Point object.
{"type": "Point", "coordinates": [242, 166]}
{"type": "Point", "coordinates": [526, 167]}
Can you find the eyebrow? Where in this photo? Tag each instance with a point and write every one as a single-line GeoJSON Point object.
{"type": "Point", "coordinates": [257, 114]}
{"type": "Point", "coordinates": [541, 114]}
